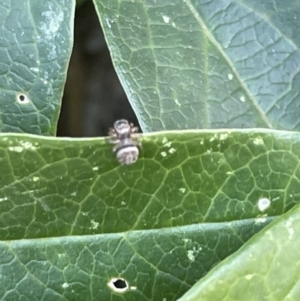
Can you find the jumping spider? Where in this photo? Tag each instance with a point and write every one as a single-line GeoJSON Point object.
{"type": "Point", "coordinates": [126, 148]}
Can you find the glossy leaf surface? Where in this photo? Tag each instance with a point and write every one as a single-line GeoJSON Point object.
{"type": "Point", "coordinates": [155, 263]}
{"type": "Point", "coordinates": [207, 64]}
{"type": "Point", "coordinates": [72, 218]}
{"type": "Point", "coordinates": [265, 268]}
{"type": "Point", "coordinates": [36, 39]}
{"type": "Point", "coordinates": [58, 187]}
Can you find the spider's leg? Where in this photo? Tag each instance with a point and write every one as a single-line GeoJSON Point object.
{"type": "Point", "coordinates": [116, 148]}
{"type": "Point", "coordinates": [112, 132]}
{"type": "Point", "coordinates": [114, 140]}
{"type": "Point", "coordinates": [136, 135]}
{"type": "Point", "coordinates": [134, 129]}
{"type": "Point", "coordinates": [137, 143]}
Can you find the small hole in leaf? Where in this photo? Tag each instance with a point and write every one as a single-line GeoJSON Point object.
{"type": "Point", "coordinates": [118, 285]}
{"type": "Point", "coordinates": [23, 98]}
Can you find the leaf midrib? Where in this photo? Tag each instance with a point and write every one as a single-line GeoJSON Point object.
{"type": "Point", "coordinates": [226, 58]}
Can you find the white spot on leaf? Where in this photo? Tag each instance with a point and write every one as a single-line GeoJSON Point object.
{"type": "Point", "coordinates": [108, 23]}
{"type": "Point", "coordinates": [291, 231]}
{"type": "Point", "coordinates": [249, 276]}
{"type": "Point", "coordinates": [94, 225]}
{"type": "Point", "coordinates": [191, 254]}
{"type": "Point", "coordinates": [34, 69]}
{"type": "Point", "coordinates": [172, 150]}
{"type": "Point", "coordinates": [45, 206]}
{"type": "Point", "coordinates": [176, 101]}
{"type": "Point", "coordinates": [27, 145]}
{"type": "Point", "coordinates": [49, 28]}
{"type": "Point", "coordinates": [223, 136]}
{"type": "Point", "coordinates": [230, 76]}
{"type": "Point", "coordinates": [17, 149]}
{"type": "Point", "coordinates": [163, 154]}
{"type": "Point", "coordinates": [53, 20]}
{"type": "Point", "coordinates": [166, 19]}
{"type": "Point", "coordinates": [242, 98]}
{"type": "Point", "coordinates": [65, 285]}
{"type": "Point", "coordinates": [258, 141]}
{"type": "Point", "coordinates": [260, 220]}
{"type": "Point", "coordinates": [263, 204]}
{"type": "Point", "coordinates": [289, 222]}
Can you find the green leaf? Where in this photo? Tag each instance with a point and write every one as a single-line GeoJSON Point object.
{"type": "Point", "coordinates": [207, 64]}
{"type": "Point", "coordinates": [72, 218]}
{"type": "Point", "coordinates": [36, 39]}
{"type": "Point", "coordinates": [57, 187]}
{"type": "Point", "coordinates": [265, 268]}
{"type": "Point", "coordinates": [156, 264]}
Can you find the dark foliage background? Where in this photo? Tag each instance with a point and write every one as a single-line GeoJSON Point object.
{"type": "Point", "coordinates": [93, 97]}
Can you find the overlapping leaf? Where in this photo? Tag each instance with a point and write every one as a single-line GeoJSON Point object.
{"type": "Point", "coordinates": [58, 187]}
{"type": "Point", "coordinates": [156, 264]}
{"type": "Point", "coordinates": [265, 268]}
{"type": "Point", "coordinates": [35, 46]}
{"type": "Point", "coordinates": [72, 218]}
{"type": "Point", "coordinates": [207, 64]}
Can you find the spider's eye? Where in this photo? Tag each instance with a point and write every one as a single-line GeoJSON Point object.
{"type": "Point", "coordinates": [120, 123]}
